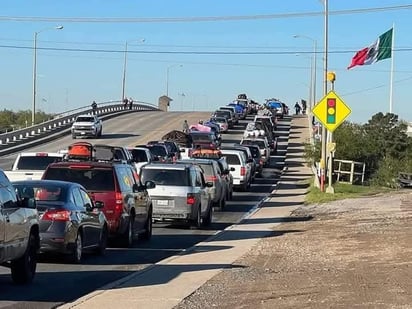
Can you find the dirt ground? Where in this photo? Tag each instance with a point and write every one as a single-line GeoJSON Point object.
{"type": "Point", "coordinates": [354, 253]}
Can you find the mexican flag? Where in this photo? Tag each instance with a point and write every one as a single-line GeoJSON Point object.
{"type": "Point", "coordinates": [381, 49]}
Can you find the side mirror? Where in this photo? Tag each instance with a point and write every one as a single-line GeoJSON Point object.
{"type": "Point", "coordinates": [249, 161]}
{"type": "Point", "coordinates": [135, 188]}
{"type": "Point", "coordinates": [149, 184]}
{"type": "Point", "coordinates": [209, 184]}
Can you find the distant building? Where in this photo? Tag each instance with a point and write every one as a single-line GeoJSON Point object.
{"type": "Point", "coordinates": [164, 103]}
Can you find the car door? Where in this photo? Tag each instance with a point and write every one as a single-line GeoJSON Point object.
{"type": "Point", "coordinates": [14, 220]}
{"type": "Point", "coordinates": [2, 233]}
{"type": "Point", "coordinates": [204, 192]}
{"type": "Point", "coordinates": [93, 217]}
{"type": "Point", "coordinates": [82, 216]}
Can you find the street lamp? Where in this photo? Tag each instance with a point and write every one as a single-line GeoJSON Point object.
{"type": "Point", "coordinates": [33, 113]}
{"type": "Point", "coordinates": [167, 76]}
{"type": "Point", "coordinates": [125, 65]}
{"type": "Point", "coordinates": [313, 70]}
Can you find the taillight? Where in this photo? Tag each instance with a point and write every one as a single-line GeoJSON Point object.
{"type": "Point", "coordinates": [119, 199]}
{"type": "Point", "coordinates": [260, 162]}
{"type": "Point", "coordinates": [190, 200]}
{"type": "Point", "coordinates": [242, 171]}
{"type": "Point", "coordinates": [56, 215]}
{"type": "Point", "coordinates": [211, 178]}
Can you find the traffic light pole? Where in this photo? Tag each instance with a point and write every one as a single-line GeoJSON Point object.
{"type": "Point", "coordinates": [330, 189]}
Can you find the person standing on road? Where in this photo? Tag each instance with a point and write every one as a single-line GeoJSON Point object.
{"type": "Point", "coordinates": [130, 103]}
{"type": "Point", "coordinates": [94, 107]}
{"type": "Point", "coordinates": [185, 126]}
{"type": "Point", "coordinates": [125, 101]}
{"type": "Point", "coordinates": [297, 108]}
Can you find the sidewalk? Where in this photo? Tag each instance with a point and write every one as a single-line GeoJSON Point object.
{"type": "Point", "coordinates": [167, 283]}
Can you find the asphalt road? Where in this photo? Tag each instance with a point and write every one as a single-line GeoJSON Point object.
{"type": "Point", "coordinates": [57, 282]}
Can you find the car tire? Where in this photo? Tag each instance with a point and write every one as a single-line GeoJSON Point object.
{"type": "Point", "coordinates": [206, 221]}
{"type": "Point", "coordinates": [222, 203]}
{"type": "Point", "coordinates": [77, 252]}
{"type": "Point", "coordinates": [101, 249]}
{"type": "Point", "coordinates": [148, 227]}
{"type": "Point", "coordinates": [24, 268]}
{"type": "Point", "coordinates": [100, 133]}
{"type": "Point", "coordinates": [197, 223]}
{"type": "Point", "coordinates": [128, 236]}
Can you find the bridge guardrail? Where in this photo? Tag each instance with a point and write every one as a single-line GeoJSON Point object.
{"type": "Point", "coordinates": [64, 120]}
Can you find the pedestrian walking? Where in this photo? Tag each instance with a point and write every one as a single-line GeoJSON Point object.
{"type": "Point", "coordinates": [304, 107]}
{"type": "Point", "coordinates": [125, 101]}
{"type": "Point", "coordinates": [130, 103]}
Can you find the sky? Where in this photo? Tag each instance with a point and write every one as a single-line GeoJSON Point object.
{"type": "Point", "coordinates": [202, 63]}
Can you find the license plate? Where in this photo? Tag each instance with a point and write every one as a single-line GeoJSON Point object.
{"type": "Point", "coordinates": [163, 202]}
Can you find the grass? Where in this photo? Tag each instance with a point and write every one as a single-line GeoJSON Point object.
{"type": "Point", "coordinates": [342, 191]}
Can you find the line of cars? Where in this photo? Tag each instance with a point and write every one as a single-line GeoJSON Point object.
{"type": "Point", "coordinates": [99, 193]}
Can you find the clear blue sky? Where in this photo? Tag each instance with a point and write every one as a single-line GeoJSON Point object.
{"type": "Point", "coordinates": [70, 79]}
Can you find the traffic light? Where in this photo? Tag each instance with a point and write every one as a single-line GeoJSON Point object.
{"type": "Point", "coordinates": [331, 111]}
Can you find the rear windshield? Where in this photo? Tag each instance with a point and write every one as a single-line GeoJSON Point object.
{"type": "Point", "coordinates": [201, 137]}
{"type": "Point", "coordinates": [92, 180]}
{"type": "Point", "coordinates": [255, 152]}
{"type": "Point", "coordinates": [139, 155]}
{"type": "Point", "coordinates": [158, 151]}
{"type": "Point", "coordinates": [261, 144]}
{"type": "Point", "coordinates": [165, 177]}
{"type": "Point", "coordinates": [207, 169]}
{"type": "Point", "coordinates": [232, 159]}
{"type": "Point", "coordinates": [41, 193]}
{"type": "Point", "coordinates": [36, 162]}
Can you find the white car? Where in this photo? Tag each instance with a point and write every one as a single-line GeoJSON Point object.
{"type": "Point", "coordinates": [262, 143]}
{"type": "Point", "coordinates": [242, 174]}
{"type": "Point", "coordinates": [141, 156]}
{"type": "Point", "coordinates": [87, 125]}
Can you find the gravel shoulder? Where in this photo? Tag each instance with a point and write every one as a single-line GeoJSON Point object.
{"type": "Point", "coordinates": [354, 253]}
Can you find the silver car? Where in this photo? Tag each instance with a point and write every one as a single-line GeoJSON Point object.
{"type": "Point", "coordinates": [181, 193]}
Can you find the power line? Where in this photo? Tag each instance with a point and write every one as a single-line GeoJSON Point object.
{"type": "Point", "coordinates": [186, 52]}
{"type": "Point", "coordinates": [197, 18]}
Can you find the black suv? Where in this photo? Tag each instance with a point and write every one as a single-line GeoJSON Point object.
{"type": "Point", "coordinates": [127, 205]}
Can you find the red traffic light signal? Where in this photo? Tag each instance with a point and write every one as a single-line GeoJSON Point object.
{"type": "Point", "coordinates": [331, 111]}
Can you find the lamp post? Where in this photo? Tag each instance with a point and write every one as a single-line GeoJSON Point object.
{"type": "Point", "coordinates": [167, 76]}
{"type": "Point", "coordinates": [33, 113]}
{"type": "Point", "coordinates": [125, 65]}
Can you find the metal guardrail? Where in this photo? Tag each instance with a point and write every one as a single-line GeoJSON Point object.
{"type": "Point", "coordinates": [64, 120]}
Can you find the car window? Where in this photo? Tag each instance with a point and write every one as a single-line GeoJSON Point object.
{"type": "Point", "coordinates": [77, 197]}
{"type": "Point", "coordinates": [165, 177]}
{"type": "Point", "coordinates": [125, 178]}
{"type": "Point", "coordinates": [36, 162]}
{"type": "Point", "coordinates": [158, 150]}
{"type": "Point", "coordinates": [86, 198]}
{"type": "Point", "coordinates": [8, 198]}
{"type": "Point", "coordinates": [232, 159]}
{"type": "Point", "coordinates": [91, 179]}
{"type": "Point", "coordinates": [139, 155]}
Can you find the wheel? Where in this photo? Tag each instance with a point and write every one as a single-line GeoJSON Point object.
{"type": "Point", "coordinates": [101, 249]}
{"type": "Point", "coordinates": [148, 227]}
{"type": "Point", "coordinates": [222, 203]}
{"type": "Point", "coordinates": [100, 133]}
{"type": "Point", "coordinates": [127, 237]}
{"type": "Point", "coordinates": [209, 216]}
{"type": "Point", "coordinates": [197, 223]}
{"type": "Point", "coordinates": [24, 268]}
{"type": "Point", "coordinates": [77, 253]}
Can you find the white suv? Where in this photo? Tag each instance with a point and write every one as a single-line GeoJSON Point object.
{"type": "Point", "coordinates": [242, 175]}
{"type": "Point", "coordinates": [262, 143]}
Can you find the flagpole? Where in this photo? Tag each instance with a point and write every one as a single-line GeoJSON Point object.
{"type": "Point", "coordinates": [391, 81]}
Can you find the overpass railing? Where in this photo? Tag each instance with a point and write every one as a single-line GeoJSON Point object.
{"type": "Point", "coordinates": [65, 119]}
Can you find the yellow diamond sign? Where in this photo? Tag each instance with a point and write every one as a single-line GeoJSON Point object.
{"type": "Point", "coordinates": [331, 111]}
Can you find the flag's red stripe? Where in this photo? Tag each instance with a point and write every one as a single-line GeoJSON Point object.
{"type": "Point", "coordinates": [359, 58]}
